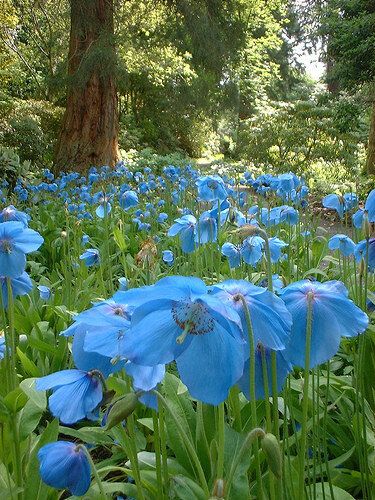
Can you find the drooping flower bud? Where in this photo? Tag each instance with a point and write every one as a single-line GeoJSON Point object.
{"type": "Point", "coordinates": [121, 409]}
{"type": "Point", "coordinates": [271, 448]}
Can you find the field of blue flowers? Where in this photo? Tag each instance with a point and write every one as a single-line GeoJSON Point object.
{"type": "Point", "coordinates": [176, 335]}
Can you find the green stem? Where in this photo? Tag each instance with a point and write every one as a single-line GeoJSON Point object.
{"type": "Point", "coordinates": [95, 472]}
{"type": "Point", "coordinates": [252, 394]}
{"type": "Point", "coordinates": [305, 402]}
{"type": "Point", "coordinates": [186, 441]}
{"type": "Point", "coordinates": [12, 335]}
{"type": "Point", "coordinates": [221, 443]}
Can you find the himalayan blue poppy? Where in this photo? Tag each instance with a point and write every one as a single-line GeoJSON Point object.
{"type": "Point", "coordinates": [211, 188]}
{"type": "Point", "coordinates": [64, 464]}
{"type": "Point", "coordinates": [21, 285]}
{"type": "Point", "coordinates": [44, 292]}
{"type": "Point", "coordinates": [11, 213]}
{"type": "Point", "coordinates": [270, 319]}
{"type": "Point", "coordinates": [252, 250]}
{"type": "Point", "coordinates": [370, 206]}
{"type": "Point", "coordinates": [343, 243]}
{"type": "Point", "coordinates": [90, 257]}
{"type": "Point", "coordinates": [233, 253]}
{"type": "Point", "coordinates": [16, 241]}
{"type": "Point", "coordinates": [185, 227]}
{"type": "Point", "coordinates": [168, 257]}
{"type": "Point", "coordinates": [206, 230]}
{"type": "Point", "coordinates": [333, 315]}
{"type": "Point", "coordinates": [360, 252]}
{"type": "Point", "coordinates": [181, 322]}
{"type": "Point", "coordinates": [276, 248]}
{"type": "Point", "coordinates": [76, 394]}
{"type": "Point", "coordinates": [128, 199]}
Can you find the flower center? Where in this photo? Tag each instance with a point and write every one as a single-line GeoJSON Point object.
{"type": "Point", "coordinates": [212, 185]}
{"type": "Point", "coordinates": [193, 318]}
{"type": "Point", "coordinates": [5, 246]}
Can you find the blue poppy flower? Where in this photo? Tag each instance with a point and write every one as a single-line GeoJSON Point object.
{"type": "Point", "coordinates": [11, 213]}
{"type": "Point", "coordinates": [211, 188]}
{"type": "Point", "coordinates": [186, 324]}
{"type": "Point", "coordinates": [277, 283]}
{"type": "Point", "coordinates": [85, 239]}
{"type": "Point", "coordinates": [65, 465]}
{"type": "Point", "coordinates": [271, 321]}
{"type": "Point", "coordinates": [343, 243]}
{"type": "Point", "coordinates": [128, 199]}
{"type": "Point", "coordinates": [232, 215]}
{"type": "Point", "coordinates": [283, 368]}
{"type": "Point", "coordinates": [162, 217]}
{"type": "Point", "coordinates": [289, 215]}
{"type": "Point", "coordinates": [44, 292]}
{"type": "Point", "coordinates": [370, 206]}
{"type": "Point", "coordinates": [252, 250]}
{"type": "Point", "coordinates": [168, 257]}
{"type": "Point", "coordinates": [20, 286]}
{"type": "Point", "coordinates": [16, 241]}
{"type": "Point", "coordinates": [145, 378]}
{"type": "Point", "coordinates": [233, 253]}
{"type": "Point", "coordinates": [333, 315]}
{"type": "Point", "coordinates": [339, 203]}
{"type": "Point", "coordinates": [276, 248]}
{"type": "Point", "coordinates": [206, 230]}
{"type": "Point", "coordinates": [360, 252]}
{"type": "Point", "coordinates": [90, 257]}
{"type": "Point", "coordinates": [185, 227]}
{"type": "Point", "coordinates": [76, 394]}
{"type": "Point", "coordinates": [357, 218]}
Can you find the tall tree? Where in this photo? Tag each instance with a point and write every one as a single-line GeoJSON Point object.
{"type": "Point", "coordinates": [89, 132]}
{"type": "Point", "coordinates": [350, 26]}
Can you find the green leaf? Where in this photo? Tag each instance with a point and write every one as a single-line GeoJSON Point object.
{"type": "Point", "coordinates": [338, 493]}
{"type": "Point", "coordinates": [39, 398]}
{"type": "Point", "coordinates": [28, 365]}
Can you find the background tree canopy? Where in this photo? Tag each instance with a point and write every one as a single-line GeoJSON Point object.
{"type": "Point", "coordinates": [203, 77]}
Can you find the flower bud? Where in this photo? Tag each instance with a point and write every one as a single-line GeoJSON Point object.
{"type": "Point", "coordinates": [366, 226]}
{"type": "Point", "coordinates": [271, 449]}
{"type": "Point", "coordinates": [219, 489]}
{"type": "Point", "coordinates": [121, 409]}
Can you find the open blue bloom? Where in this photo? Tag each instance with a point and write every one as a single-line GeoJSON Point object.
{"type": "Point", "coordinates": [168, 257]}
{"type": "Point", "coordinates": [128, 200]}
{"type": "Point", "coordinates": [20, 286]}
{"type": "Point", "coordinates": [276, 248]}
{"type": "Point", "coordinates": [44, 292]}
{"type": "Point", "coordinates": [181, 322]}
{"type": "Point", "coordinates": [283, 368]}
{"type": "Point", "coordinates": [270, 319]}
{"type": "Point", "coordinates": [76, 394]}
{"type": "Point", "coordinates": [85, 239]}
{"type": "Point", "coordinates": [360, 252]}
{"type": "Point", "coordinates": [333, 315]}
{"type": "Point", "coordinates": [339, 203]}
{"type": "Point", "coordinates": [90, 257]}
{"type": "Point", "coordinates": [252, 250]}
{"type": "Point", "coordinates": [343, 243]}
{"type": "Point", "coordinates": [370, 206]}
{"type": "Point", "coordinates": [233, 253]}
{"type": "Point", "coordinates": [16, 241]}
{"type": "Point", "coordinates": [65, 465]}
{"type": "Point", "coordinates": [162, 217]}
{"type": "Point", "coordinates": [103, 209]}
{"type": "Point", "coordinates": [145, 378]}
{"type": "Point", "coordinates": [357, 218]}
{"type": "Point", "coordinates": [11, 213]}
{"type": "Point", "coordinates": [185, 227]}
{"type": "Point", "coordinates": [289, 215]}
{"type": "Point", "coordinates": [232, 215]}
{"type": "Point", "coordinates": [211, 188]}
{"type": "Point", "coordinates": [206, 230]}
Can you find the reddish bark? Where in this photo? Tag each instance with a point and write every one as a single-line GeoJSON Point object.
{"type": "Point", "coordinates": [89, 132]}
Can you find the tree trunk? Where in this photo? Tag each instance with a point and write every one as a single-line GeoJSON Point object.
{"type": "Point", "coordinates": [89, 132]}
{"type": "Point", "coordinates": [370, 163]}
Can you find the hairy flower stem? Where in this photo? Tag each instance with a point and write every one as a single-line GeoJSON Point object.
{"type": "Point", "coordinates": [252, 395]}
{"type": "Point", "coordinates": [305, 402]}
{"type": "Point", "coordinates": [221, 441]}
{"type": "Point", "coordinates": [268, 413]}
{"type": "Point", "coordinates": [12, 336]}
{"type": "Point", "coordinates": [159, 477]}
{"type": "Point", "coordinates": [94, 470]}
{"type": "Point", "coordinates": [250, 439]}
{"type": "Point", "coordinates": [186, 442]}
{"type": "Point", "coordinates": [163, 446]}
